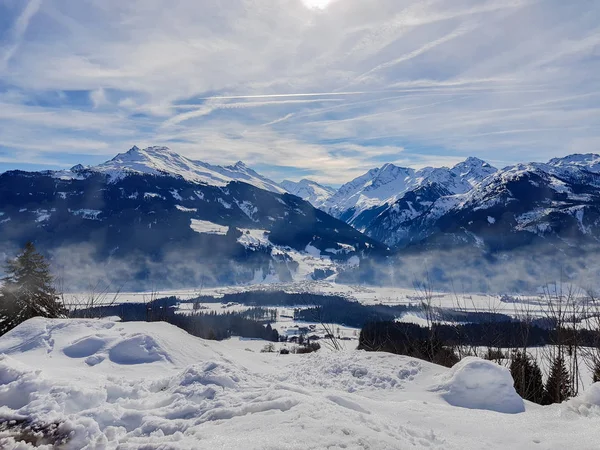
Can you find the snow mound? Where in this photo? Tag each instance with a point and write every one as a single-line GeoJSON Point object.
{"type": "Point", "coordinates": [479, 384]}
{"type": "Point", "coordinates": [85, 347]}
{"type": "Point", "coordinates": [140, 349]}
{"type": "Point", "coordinates": [588, 403]}
{"type": "Point", "coordinates": [69, 345]}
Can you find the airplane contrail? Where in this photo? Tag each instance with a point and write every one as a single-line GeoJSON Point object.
{"type": "Point", "coordinates": [415, 88]}
{"type": "Point", "coordinates": [312, 94]}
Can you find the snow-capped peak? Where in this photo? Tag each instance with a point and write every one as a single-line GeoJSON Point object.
{"type": "Point", "coordinates": [160, 160]}
{"type": "Point", "coordinates": [309, 190]}
{"type": "Point", "coordinates": [473, 170]}
{"type": "Point", "coordinates": [240, 165]}
{"type": "Point", "coordinates": [390, 173]}
{"type": "Point", "coordinates": [77, 168]}
{"type": "Point", "coordinates": [471, 163]}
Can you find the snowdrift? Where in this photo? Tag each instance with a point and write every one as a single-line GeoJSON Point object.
{"type": "Point", "coordinates": [478, 384]}
{"type": "Point", "coordinates": [587, 404]}
{"type": "Point", "coordinates": [93, 384]}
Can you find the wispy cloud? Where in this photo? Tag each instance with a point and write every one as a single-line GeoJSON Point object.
{"type": "Point", "coordinates": [209, 107]}
{"type": "Point", "coordinates": [16, 34]}
{"type": "Point", "coordinates": [327, 93]}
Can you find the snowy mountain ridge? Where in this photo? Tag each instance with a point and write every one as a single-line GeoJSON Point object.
{"type": "Point", "coordinates": [396, 206]}
{"type": "Point", "coordinates": [309, 190]}
{"type": "Point", "coordinates": [557, 200]}
{"type": "Point", "coordinates": [588, 161]}
{"type": "Point", "coordinates": [160, 161]}
{"type": "Point", "coordinates": [385, 185]}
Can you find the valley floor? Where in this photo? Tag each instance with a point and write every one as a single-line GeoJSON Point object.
{"type": "Point", "coordinates": [514, 304]}
{"type": "Point", "coordinates": [101, 384]}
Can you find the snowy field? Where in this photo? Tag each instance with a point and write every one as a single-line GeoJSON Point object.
{"type": "Point", "coordinates": [518, 304]}
{"type": "Point", "coordinates": [98, 384]}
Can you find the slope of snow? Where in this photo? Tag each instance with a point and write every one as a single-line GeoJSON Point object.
{"type": "Point", "coordinates": [204, 226]}
{"type": "Point", "coordinates": [254, 238]}
{"type": "Point", "coordinates": [473, 170]}
{"type": "Point", "coordinates": [305, 262]}
{"type": "Point", "coordinates": [377, 186]}
{"type": "Point", "coordinates": [97, 384]}
{"type": "Point", "coordinates": [241, 172]}
{"type": "Point", "coordinates": [311, 191]}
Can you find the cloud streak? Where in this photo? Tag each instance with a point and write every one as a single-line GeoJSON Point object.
{"type": "Point", "coordinates": [296, 91]}
{"type": "Point", "coordinates": [18, 31]}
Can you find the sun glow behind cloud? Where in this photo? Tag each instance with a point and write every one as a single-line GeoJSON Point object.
{"type": "Point", "coordinates": [317, 4]}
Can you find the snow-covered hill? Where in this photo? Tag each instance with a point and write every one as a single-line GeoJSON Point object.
{"type": "Point", "coordinates": [311, 191]}
{"type": "Point", "coordinates": [99, 384]}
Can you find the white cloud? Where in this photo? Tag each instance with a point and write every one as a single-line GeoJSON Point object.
{"type": "Point", "coordinates": [330, 92]}
{"type": "Point", "coordinates": [98, 98]}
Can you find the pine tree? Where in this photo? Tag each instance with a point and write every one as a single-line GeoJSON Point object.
{"type": "Point", "coordinates": [596, 374]}
{"type": "Point", "coordinates": [527, 377]}
{"type": "Point", "coordinates": [558, 386]}
{"type": "Point", "coordinates": [27, 290]}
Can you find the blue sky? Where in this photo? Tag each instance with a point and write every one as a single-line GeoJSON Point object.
{"type": "Point", "coordinates": [299, 88]}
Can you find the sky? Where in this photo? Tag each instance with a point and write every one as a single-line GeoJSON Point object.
{"type": "Point", "coordinates": [299, 88]}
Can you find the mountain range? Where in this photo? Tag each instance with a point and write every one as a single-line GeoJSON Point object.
{"type": "Point", "coordinates": [474, 204]}
{"type": "Point", "coordinates": [153, 214]}
{"type": "Point", "coordinates": [156, 212]}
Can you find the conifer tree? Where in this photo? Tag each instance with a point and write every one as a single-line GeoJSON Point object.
{"type": "Point", "coordinates": [558, 386]}
{"type": "Point", "coordinates": [27, 290]}
{"type": "Point", "coordinates": [527, 377]}
{"type": "Point", "coordinates": [596, 374]}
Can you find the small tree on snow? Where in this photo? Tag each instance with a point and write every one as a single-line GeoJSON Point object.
{"type": "Point", "coordinates": [528, 378]}
{"type": "Point", "coordinates": [27, 290]}
{"type": "Point", "coordinates": [558, 386]}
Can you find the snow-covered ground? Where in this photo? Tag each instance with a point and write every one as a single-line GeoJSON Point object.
{"type": "Point", "coordinates": [517, 305]}
{"type": "Point", "coordinates": [365, 294]}
{"type": "Point", "coordinates": [98, 384]}
{"type": "Point", "coordinates": [386, 295]}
